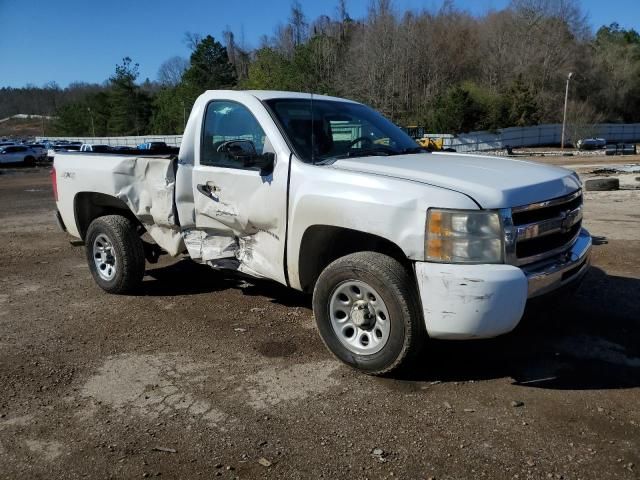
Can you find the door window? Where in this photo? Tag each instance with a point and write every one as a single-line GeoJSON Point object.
{"type": "Point", "coordinates": [227, 121]}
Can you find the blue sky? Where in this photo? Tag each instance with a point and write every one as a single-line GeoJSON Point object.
{"type": "Point", "coordinates": [83, 40]}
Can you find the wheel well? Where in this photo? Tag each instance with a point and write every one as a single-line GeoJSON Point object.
{"type": "Point", "coordinates": [90, 205]}
{"type": "Point", "coordinates": [322, 244]}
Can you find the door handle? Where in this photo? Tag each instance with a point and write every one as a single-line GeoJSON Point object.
{"type": "Point", "coordinates": [208, 191]}
{"type": "Point", "coordinates": [204, 189]}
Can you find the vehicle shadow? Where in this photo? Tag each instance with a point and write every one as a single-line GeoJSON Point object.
{"type": "Point", "coordinates": [183, 277]}
{"type": "Point", "coordinates": [589, 340]}
{"type": "Point", "coordinates": [186, 277]}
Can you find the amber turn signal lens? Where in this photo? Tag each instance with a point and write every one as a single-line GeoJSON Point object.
{"type": "Point", "coordinates": [435, 222]}
{"type": "Point", "coordinates": [434, 248]}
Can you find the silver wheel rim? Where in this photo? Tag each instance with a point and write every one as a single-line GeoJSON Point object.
{"type": "Point", "coordinates": [104, 256]}
{"type": "Point", "coordinates": [359, 317]}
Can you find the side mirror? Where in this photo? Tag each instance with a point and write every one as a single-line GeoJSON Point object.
{"type": "Point", "coordinates": [245, 151]}
{"type": "Point", "coordinates": [238, 149]}
{"type": "Point", "coordinates": [264, 162]}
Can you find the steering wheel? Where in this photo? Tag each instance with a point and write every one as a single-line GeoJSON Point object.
{"type": "Point", "coordinates": [360, 139]}
{"type": "Point", "coordinates": [224, 146]}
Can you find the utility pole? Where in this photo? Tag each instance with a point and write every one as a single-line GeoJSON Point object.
{"type": "Point", "coordinates": [93, 127]}
{"type": "Point", "coordinates": [564, 115]}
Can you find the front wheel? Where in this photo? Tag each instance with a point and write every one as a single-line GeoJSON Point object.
{"type": "Point", "coordinates": [115, 254]}
{"type": "Point", "coordinates": [368, 313]}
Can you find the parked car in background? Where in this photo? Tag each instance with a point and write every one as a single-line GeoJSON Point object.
{"type": "Point", "coordinates": [122, 148]}
{"type": "Point", "coordinates": [152, 146]}
{"type": "Point", "coordinates": [17, 155]}
{"type": "Point", "coordinates": [4, 144]}
{"type": "Point", "coordinates": [591, 143]}
{"type": "Point", "coordinates": [39, 150]}
{"type": "Point", "coordinates": [88, 147]}
{"type": "Point", "coordinates": [65, 147]}
{"type": "Point", "coordinates": [71, 147]}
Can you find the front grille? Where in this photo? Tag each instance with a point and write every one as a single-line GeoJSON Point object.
{"type": "Point", "coordinates": [544, 229]}
{"type": "Point", "coordinates": [536, 215]}
{"type": "Point", "coordinates": [540, 245]}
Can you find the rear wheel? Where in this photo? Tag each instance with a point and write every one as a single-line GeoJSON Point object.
{"type": "Point", "coordinates": [29, 161]}
{"type": "Point", "coordinates": [368, 313]}
{"type": "Point", "coordinates": [115, 254]}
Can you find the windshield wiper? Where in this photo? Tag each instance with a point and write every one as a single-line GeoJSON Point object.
{"type": "Point", "coordinates": [365, 152]}
{"type": "Point", "coordinates": [410, 150]}
{"type": "Point", "coordinates": [377, 150]}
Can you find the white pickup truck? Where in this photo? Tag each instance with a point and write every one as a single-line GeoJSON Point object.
{"type": "Point", "coordinates": [326, 196]}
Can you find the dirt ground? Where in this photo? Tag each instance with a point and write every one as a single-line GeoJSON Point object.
{"type": "Point", "coordinates": [205, 374]}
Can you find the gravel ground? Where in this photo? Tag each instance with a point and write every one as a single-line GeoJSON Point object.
{"type": "Point", "coordinates": [205, 374]}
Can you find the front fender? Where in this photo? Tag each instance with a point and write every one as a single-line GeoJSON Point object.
{"type": "Point", "coordinates": [391, 208]}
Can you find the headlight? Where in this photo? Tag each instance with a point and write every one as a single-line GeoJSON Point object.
{"type": "Point", "coordinates": [463, 236]}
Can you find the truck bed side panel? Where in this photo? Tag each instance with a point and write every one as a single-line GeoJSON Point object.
{"type": "Point", "coordinates": [145, 184]}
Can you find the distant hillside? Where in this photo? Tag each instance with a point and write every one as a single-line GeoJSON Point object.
{"type": "Point", "coordinates": [25, 126]}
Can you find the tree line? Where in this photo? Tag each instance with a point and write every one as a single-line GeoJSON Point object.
{"type": "Point", "coordinates": [446, 70]}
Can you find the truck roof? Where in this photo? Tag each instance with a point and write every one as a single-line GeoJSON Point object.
{"type": "Point", "coordinates": [271, 94]}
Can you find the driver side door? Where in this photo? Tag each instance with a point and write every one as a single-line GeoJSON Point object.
{"type": "Point", "coordinates": [240, 208]}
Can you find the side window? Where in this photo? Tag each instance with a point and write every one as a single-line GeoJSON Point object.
{"type": "Point", "coordinates": [226, 121]}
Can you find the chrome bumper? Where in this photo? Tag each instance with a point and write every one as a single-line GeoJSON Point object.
{"type": "Point", "coordinates": [556, 272]}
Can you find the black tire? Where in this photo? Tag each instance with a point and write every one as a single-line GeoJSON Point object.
{"type": "Point", "coordinates": [29, 161]}
{"type": "Point", "coordinates": [602, 184]}
{"type": "Point", "coordinates": [129, 263]}
{"type": "Point", "coordinates": [398, 290]}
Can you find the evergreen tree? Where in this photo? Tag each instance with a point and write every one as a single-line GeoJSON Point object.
{"type": "Point", "coordinates": [210, 68]}
{"type": "Point", "coordinates": [130, 107]}
{"type": "Point", "coordinates": [271, 70]}
{"type": "Point", "coordinates": [523, 108]}
{"type": "Point", "coordinates": [457, 112]}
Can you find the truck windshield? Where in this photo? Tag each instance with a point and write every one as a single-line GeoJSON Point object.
{"type": "Point", "coordinates": [325, 130]}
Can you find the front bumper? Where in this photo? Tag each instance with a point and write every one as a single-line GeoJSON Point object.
{"type": "Point", "coordinates": [483, 301]}
{"type": "Point", "coordinates": [544, 277]}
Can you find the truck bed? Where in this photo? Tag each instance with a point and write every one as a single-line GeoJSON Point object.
{"type": "Point", "coordinates": [144, 184]}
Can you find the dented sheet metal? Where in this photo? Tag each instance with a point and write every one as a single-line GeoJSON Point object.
{"type": "Point", "coordinates": [238, 217]}
{"type": "Point", "coordinates": [221, 250]}
{"type": "Point", "coordinates": [204, 247]}
{"type": "Point", "coordinates": [470, 301]}
{"type": "Point", "coordinates": [146, 185]}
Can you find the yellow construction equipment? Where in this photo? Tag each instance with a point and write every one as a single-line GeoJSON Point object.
{"type": "Point", "coordinates": [431, 143]}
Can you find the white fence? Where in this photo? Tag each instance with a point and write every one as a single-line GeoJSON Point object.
{"type": "Point", "coordinates": [538, 135]}
{"type": "Point", "coordinates": [171, 140]}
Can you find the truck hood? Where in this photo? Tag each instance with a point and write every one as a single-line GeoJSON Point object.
{"type": "Point", "coordinates": [493, 182]}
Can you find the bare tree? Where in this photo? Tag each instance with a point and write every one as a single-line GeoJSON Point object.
{"type": "Point", "coordinates": [343, 14]}
{"type": "Point", "coordinates": [237, 55]}
{"type": "Point", "coordinates": [191, 40]}
{"type": "Point", "coordinates": [171, 71]}
{"type": "Point", "coordinates": [284, 40]}
{"type": "Point", "coordinates": [298, 22]}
